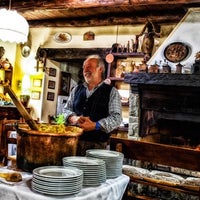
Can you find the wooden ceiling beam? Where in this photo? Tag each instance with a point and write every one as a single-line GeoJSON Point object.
{"type": "Point", "coordinates": [169, 19]}
{"type": "Point", "coordinates": [59, 13]}
{"type": "Point", "coordinates": [23, 5]}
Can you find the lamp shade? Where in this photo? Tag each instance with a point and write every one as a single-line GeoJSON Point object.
{"type": "Point", "coordinates": [13, 27]}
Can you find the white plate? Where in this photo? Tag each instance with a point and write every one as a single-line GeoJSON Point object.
{"type": "Point", "coordinates": [94, 170]}
{"type": "Point", "coordinates": [49, 192]}
{"type": "Point", "coordinates": [57, 180]}
{"type": "Point", "coordinates": [57, 172]}
{"type": "Point", "coordinates": [113, 160]}
{"type": "Point", "coordinates": [83, 161]}
{"type": "Point", "coordinates": [101, 153]}
{"type": "Point", "coordinates": [62, 37]}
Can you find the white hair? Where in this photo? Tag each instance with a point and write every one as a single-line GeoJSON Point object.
{"type": "Point", "coordinates": [100, 60]}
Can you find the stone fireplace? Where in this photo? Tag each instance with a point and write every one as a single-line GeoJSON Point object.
{"type": "Point", "coordinates": [166, 106]}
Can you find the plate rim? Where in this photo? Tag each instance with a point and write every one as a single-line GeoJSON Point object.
{"type": "Point", "coordinates": [38, 170]}
{"type": "Point", "coordinates": [178, 43]}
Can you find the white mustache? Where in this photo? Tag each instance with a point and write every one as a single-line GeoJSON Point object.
{"type": "Point", "coordinates": [87, 73]}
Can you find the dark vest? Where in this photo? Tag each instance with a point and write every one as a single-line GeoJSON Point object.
{"type": "Point", "coordinates": [96, 107]}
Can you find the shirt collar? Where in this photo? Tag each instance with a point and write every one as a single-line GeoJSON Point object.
{"type": "Point", "coordinates": [89, 93]}
{"type": "Point", "coordinates": [85, 84]}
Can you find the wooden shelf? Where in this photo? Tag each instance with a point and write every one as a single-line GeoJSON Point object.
{"type": "Point", "coordinates": [175, 187]}
{"type": "Point", "coordinates": [125, 55]}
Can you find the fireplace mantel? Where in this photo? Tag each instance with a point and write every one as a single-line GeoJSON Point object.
{"type": "Point", "coordinates": [186, 80]}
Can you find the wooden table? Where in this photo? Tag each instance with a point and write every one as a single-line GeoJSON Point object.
{"type": "Point", "coordinates": [112, 189]}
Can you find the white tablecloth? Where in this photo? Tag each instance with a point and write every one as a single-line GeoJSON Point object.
{"type": "Point", "coordinates": [112, 189]}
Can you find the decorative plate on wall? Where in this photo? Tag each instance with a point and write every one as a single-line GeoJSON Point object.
{"type": "Point", "coordinates": [176, 52]}
{"type": "Point", "coordinates": [62, 37]}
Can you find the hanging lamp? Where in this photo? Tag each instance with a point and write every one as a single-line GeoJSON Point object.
{"type": "Point", "coordinates": [13, 26]}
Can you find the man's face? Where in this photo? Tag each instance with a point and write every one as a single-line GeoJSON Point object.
{"type": "Point", "coordinates": [91, 71]}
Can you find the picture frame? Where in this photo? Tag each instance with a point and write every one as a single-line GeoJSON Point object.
{"type": "Point", "coordinates": [35, 95]}
{"type": "Point", "coordinates": [65, 83]}
{"type": "Point", "coordinates": [89, 36]}
{"type": "Point", "coordinates": [52, 72]}
{"type": "Point", "coordinates": [50, 96]}
{"type": "Point", "coordinates": [51, 84]}
{"type": "Point", "coordinates": [37, 82]}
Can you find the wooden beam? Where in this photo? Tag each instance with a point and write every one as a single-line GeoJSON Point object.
{"type": "Point", "coordinates": [84, 22]}
{"type": "Point", "coordinates": [158, 153]}
{"type": "Point", "coordinates": [99, 13]}
{"type": "Point", "coordinates": [67, 54]}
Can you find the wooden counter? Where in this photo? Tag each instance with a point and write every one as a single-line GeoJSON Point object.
{"type": "Point", "coordinates": [9, 112]}
{"type": "Point", "coordinates": [157, 153]}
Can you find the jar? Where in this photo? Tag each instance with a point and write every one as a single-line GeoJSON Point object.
{"type": "Point", "coordinates": [179, 68]}
{"type": "Point", "coordinates": [195, 69]}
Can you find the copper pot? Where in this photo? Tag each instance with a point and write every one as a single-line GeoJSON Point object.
{"type": "Point", "coordinates": [35, 148]}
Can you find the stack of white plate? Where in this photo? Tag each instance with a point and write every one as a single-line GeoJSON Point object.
{"type": "Point", "coordinates": [94, 170]}
{"type": "Point", "coordinates": [57, 180]}
{"type": "Point", "coordinates": [113, 160]}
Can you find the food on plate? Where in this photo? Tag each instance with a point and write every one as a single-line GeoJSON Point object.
{"type": "Point", "coordinates": [12, 177]}
{"type": "Point", "coordinates": [135, 171]}
{"type": "Point", "coordinates": [192, 181]}
{"type": "Point", "coordinates": [166, 176]}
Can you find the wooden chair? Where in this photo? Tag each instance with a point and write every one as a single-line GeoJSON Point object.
{"type": "Point", "coordinates": [8, 126]}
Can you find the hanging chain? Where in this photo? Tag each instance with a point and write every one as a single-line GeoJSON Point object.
{"type": "Point", "coordinates": [117, 34]}
{"type": "Point", "coordinates": [9, 8]}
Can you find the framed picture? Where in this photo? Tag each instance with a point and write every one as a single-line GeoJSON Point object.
{"type": "Point", "coordinates": [50, 96]}
{"type": "Point", "coordinates": [35, 95]}
{"type": "Point", "coordinates": [37, 82]}
{"type": "Point", "coordinates": [51, 84]}
{"type": "Point", "coordinates": [52, 72]}
{"type": "Point", "coordinates": [88, 35]}
{"type": "Point", "coordinates": [65, 83]}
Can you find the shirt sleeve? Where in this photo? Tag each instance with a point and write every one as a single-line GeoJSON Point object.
{"type": "Point", "coordinates": [114, 118]}
{"type": "Point", "coordinates": [68, 108]}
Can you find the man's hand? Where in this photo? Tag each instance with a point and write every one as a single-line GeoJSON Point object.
{"type": "Point", "coordinates": [86, 124]}
{"type": "Point", "coordinates": [73, 120]}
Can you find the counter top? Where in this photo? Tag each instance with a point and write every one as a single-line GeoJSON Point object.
{"type": "Point", "coordinates": [10, 112]}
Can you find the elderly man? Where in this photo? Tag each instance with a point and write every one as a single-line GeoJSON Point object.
{"type": "Point", "coordinates": [95, 106]}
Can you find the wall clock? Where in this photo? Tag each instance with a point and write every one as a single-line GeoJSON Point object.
{"type": "Point", "coordinates": [176, 52]}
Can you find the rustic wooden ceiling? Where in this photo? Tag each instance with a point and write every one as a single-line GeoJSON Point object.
{"type": "Point", "coordinates": [51, 13]}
